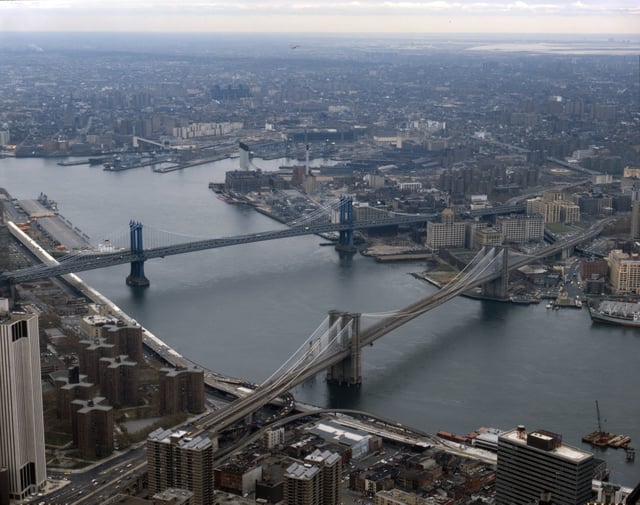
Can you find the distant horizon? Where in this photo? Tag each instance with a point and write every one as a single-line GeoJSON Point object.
{"type": "Point", "coordinates": [578, 17]}
{"type": "Point", "coordinates": [341, 34]}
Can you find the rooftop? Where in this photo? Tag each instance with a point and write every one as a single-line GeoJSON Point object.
{"type": "Point", "coordinates": [298, 471]}
{"type": "Point", "coordinates": [563, 451]}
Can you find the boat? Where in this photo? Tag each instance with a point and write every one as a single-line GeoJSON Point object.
{"type": "Point", "coordinates": [603, 439]}
{"type": "Point", "coordinates": [616, 312]}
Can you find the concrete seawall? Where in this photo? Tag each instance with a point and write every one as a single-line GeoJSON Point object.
{"type": "Point", "coordinates": [153, 343]}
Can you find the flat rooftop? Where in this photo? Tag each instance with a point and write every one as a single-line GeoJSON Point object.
{"type": "Point", "coordinates": [563, 451]}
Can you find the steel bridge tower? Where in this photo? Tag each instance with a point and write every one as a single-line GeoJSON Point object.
{"type": "Point", "coordinates": [345, 240]}
{"type": "Point", "coordinates": [346, 327]}
{"type": "Point", "coordinates": [136, 278]}
{"type": "Point", "coordinates": [498, 289]}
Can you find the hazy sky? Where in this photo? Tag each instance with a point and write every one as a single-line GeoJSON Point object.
{"type": "Point", "coordinates": [423, 16]}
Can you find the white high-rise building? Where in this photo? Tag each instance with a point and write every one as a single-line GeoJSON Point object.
{"type": "Point", "coordinates": [536, 464]}
{"type": "Point", "coordinates": [22, 448]}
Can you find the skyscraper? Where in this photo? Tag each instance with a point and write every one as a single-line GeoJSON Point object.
{"type": "Point", "coordinates": [530, 464]}
{"type": "Point", "coordinates": [22, 449]}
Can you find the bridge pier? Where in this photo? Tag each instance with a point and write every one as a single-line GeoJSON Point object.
{"type": "Point", "coordinates": [349, 371]}
{"type": "Point", "coordinates": [345, 237]}
{"type": "Point", "coordinates": [136, 278]}
{"type": "Point", "coordinates": [498, 289]}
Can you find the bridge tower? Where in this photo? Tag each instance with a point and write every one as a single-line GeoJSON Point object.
{"type": "Point", "coordinates": [349, 371]}
{"type": "Point", "coordinates": [498, 289]}
{"type": "Point", "coordinates": [136, 278]}
{"type": "Point", "coordinates": [345, 240]}
{"type": "Point", "coordinates": [245, 157]}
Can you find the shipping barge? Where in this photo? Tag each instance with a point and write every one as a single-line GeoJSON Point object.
{"type": "Point", "coordinates": [604, 439]}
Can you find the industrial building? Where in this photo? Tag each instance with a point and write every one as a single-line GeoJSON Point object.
{"type": "Point", "coordinates": [521, 229]}
{"type": "Point", "coordinates": [447, 233]}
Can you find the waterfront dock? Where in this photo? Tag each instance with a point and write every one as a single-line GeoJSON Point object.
{"type": "Point", "coordinates": [61, 232]}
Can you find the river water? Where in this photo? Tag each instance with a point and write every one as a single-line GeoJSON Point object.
{"type": "Point", "coordinates": [243, 310]}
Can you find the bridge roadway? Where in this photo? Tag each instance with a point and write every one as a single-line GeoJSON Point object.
{"type": "Point", "coordinates": [244, 407]}
{"type": "Point", "coordinates": [91, 261]}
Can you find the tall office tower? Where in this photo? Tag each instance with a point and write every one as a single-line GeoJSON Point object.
{"type": "Point", "coordinates": [302, 484]}
{"type": "Point", "coordinates": [176, 460]}
{"type": "Point", "coordinates": [530, 464]}
{"type": "Point", "coordinates": [21, 419]}
{"type": "Point", "coordinates": [330, 466]}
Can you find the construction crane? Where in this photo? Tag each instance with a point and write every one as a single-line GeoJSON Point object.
{"type": "Point", "coordinates": [598, 413]}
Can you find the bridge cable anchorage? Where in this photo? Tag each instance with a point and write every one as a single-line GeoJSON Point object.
{"type": "Point", "coordinates": [315, 216]}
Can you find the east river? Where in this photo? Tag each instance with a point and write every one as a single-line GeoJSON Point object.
{"type": "Point", "coordinates": [243, 310]}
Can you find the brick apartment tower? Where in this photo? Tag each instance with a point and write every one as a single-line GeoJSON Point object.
{"type": "Point", "coordinates": [70, 385]}
{"type": "Point", "coordinates": [118, 379]}
{"type": "Point", "coordinates": [92, 422]}
{"type": "Point", "coordinates": [181, 390]}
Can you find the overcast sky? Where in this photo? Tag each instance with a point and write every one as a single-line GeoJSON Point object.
{"type": "Point", "coordinates": [324, 16]}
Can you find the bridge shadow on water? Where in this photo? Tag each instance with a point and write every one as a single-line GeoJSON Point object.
{"type": "Point", "coordinates": [431, 343]}
{"type": "Point", "coordinates": [342, 396]}
{"type": "Point", "coordinates": [138, 293]}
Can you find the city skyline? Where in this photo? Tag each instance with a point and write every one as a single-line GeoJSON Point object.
{"type": "Point", "coordinates": [616, 17]}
